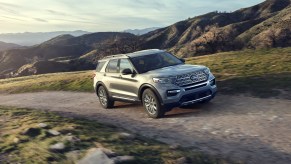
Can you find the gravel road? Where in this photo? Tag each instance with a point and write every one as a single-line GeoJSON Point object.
{"type": "Point", "coordinates": [241, 128]}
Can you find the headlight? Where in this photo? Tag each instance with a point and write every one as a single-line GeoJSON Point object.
{"type": "Point", "coordinates": [206, 71]}
{"type": "Point", "coordinates": [163, 80]}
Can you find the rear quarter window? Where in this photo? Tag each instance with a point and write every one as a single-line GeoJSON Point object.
{"type": "Point", "coordinates": [112, 66]}
{"type": "Point", "coordinates": [100, 66]}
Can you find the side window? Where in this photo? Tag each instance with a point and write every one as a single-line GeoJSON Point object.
{"type": "Point", "coordinates": [112, 66]}
{"type": "Point", "coordinates": [125, 63]}
{"type": "Point", "coordinates": [100, 66]}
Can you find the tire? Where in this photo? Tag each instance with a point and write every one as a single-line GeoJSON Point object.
{"type": "Point", "coordinates": [151, 104]}
{"type": "Point", "coordinates": [104, 99]}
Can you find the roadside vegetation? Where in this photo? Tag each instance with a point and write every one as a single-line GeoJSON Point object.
{"type": "Point", "coordinates": [22, 140]}
{"type": "Point", "coordinates": [68, 81]}
{"type": "Point", "coordinates": [262, 73]}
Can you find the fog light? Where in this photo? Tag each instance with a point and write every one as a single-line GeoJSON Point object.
{"type": "Point", "coordinates": [173, 92]}
{"type": "Point", "coordinates": [212, 82]}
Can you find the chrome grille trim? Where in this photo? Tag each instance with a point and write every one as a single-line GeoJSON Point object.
{"type": "Point", "coordinates": [191, 78]}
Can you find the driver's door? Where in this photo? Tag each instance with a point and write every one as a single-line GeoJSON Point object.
{"type": "Point", "coordinates": [127, 85]}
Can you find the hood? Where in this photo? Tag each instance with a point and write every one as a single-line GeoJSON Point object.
{"type": "Point", "coordinates": [175, 70]}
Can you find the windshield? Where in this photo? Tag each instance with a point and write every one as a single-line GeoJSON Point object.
{"type": "Point", "coordinates": [154, 61]}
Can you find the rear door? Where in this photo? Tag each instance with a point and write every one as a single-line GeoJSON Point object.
{"type": "Point", "coordinates": [111, 76]}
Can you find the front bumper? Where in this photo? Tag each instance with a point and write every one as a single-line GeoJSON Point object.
{"type": "Point", "coordinates": [196, 97]}
{"type": "Point", "coordinates": [188, 95]}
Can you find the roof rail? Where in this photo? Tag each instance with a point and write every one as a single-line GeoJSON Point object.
{"type": "Point", "coordinates": [118, 55]}
{"type": "Point", "coordinates": [147, 50]}
{"type": "Point", "coordinates": [112, 56]}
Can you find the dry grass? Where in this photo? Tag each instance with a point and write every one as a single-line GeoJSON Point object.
{"type": "Point", "coordinates": [262, 73]}
{"type": "Point", "coordinates": [70, 81]}
{"type": "Point", "coordinates": [36, 149]}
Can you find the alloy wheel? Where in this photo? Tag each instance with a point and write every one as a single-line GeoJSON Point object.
{"type": "Point", "coordinates": [150, 104]}
{"type": "Point", "coordinates": [102, 96]}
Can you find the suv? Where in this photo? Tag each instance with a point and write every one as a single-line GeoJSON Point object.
{"type": "Point", "coordinates": [156, 78]}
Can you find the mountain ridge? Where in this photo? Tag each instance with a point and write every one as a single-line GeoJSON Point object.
{"type": "Point", "coordinates": [60, 46]}
{"type": "Point", "coordinates": [35, 37]}
{"type": "Point", "coordinates": [141, 31]}
{"type": "Point", "coordinates": [217, 31]}
{"type": "Point", "coordinates": [265, 25]}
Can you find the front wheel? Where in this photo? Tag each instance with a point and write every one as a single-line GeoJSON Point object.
{"type": "Point", "coordinates": [104, 99]}
{"type": "Point", "coordinates": [152, 104]}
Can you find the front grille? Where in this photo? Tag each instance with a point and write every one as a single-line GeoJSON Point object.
{"type": "Point", "coordinates": [191, 78]}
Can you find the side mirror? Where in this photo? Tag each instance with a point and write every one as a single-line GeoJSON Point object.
{"type": "Point", "coordinates": [126, 71]}
{"type": "Point", "coordinates": [182, 60]}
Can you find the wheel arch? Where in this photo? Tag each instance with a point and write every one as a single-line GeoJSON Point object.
{"type": "Point", "coordinates": [149, 86]}
{"type": "Point", "coordinates": [98, 84]}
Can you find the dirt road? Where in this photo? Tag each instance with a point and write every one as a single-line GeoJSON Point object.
{"type": "Point", "coordinates": [242, 128]}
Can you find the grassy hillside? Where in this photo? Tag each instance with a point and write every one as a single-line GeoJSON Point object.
{"type": "Point", "coordinates": [70, 81]}
{"type": "Point", "coordinates": [262, 73]}
{"type": "Point", "coordinates": [17, 145]}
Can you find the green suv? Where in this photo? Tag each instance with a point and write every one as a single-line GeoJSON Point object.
{"type": "Point", "coordinates": [156, 78]}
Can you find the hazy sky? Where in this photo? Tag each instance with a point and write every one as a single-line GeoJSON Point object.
{"type": "Point", "coordinates": [104, 15]}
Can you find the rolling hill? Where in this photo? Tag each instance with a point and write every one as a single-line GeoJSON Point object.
{"type": "Point", "coordinates": [266, 25]}
{"type": "Point", "coordinates": [35, 37]}
{"type": "Point", "coordinates": [6, 46]}
{"type": "Point", "coordinates": [65, 46]}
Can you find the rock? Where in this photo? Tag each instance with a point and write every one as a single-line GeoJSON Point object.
{"type": "Point", "coordinates": [94, 156]}
{"type": "Point", "coordinates": [126, 136]}
{"type": "Point", "coordinates": [42, 125]}
{"type": "Point", "coordinates": [228, 131]}
{"type": "Point", "coordinates": [215, 132]}
{"type": "Point", "coordinates": [182, 160]}
{"type": "Point", "coordinates": [175, 146]}
{"type": "Point", "coordinates": [58, 147]}
{"type": "Point", "coordinates": [73, 155]}
{"type": "Point", "coordinates": [109, 152]}
{"type": "Point", "coordinates": [273, 118]}
{"type": "Point", "coordinates": [54, 132]}
{"type": "Point", "coordinates": [16, 140]}
{"type": "Point", "coordinates": [123, 159]}
{"type": "Point", "coordinates": [32, 132]}
{"type": "Point", "coordinates": [205, 128]}
{"type": "Point", "coordinates": [72, 139]}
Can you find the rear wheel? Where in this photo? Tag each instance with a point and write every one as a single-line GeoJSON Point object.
{"type": "Point", "coordinates": [104, 99]}
{"type": "Point", "coordinates": [152, 104]}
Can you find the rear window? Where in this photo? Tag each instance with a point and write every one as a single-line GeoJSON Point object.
{"type": "Point", "coordinates": [100, 66]}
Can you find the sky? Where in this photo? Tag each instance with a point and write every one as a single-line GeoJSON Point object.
{"type": "Point", "coordinates": [104, 15]}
